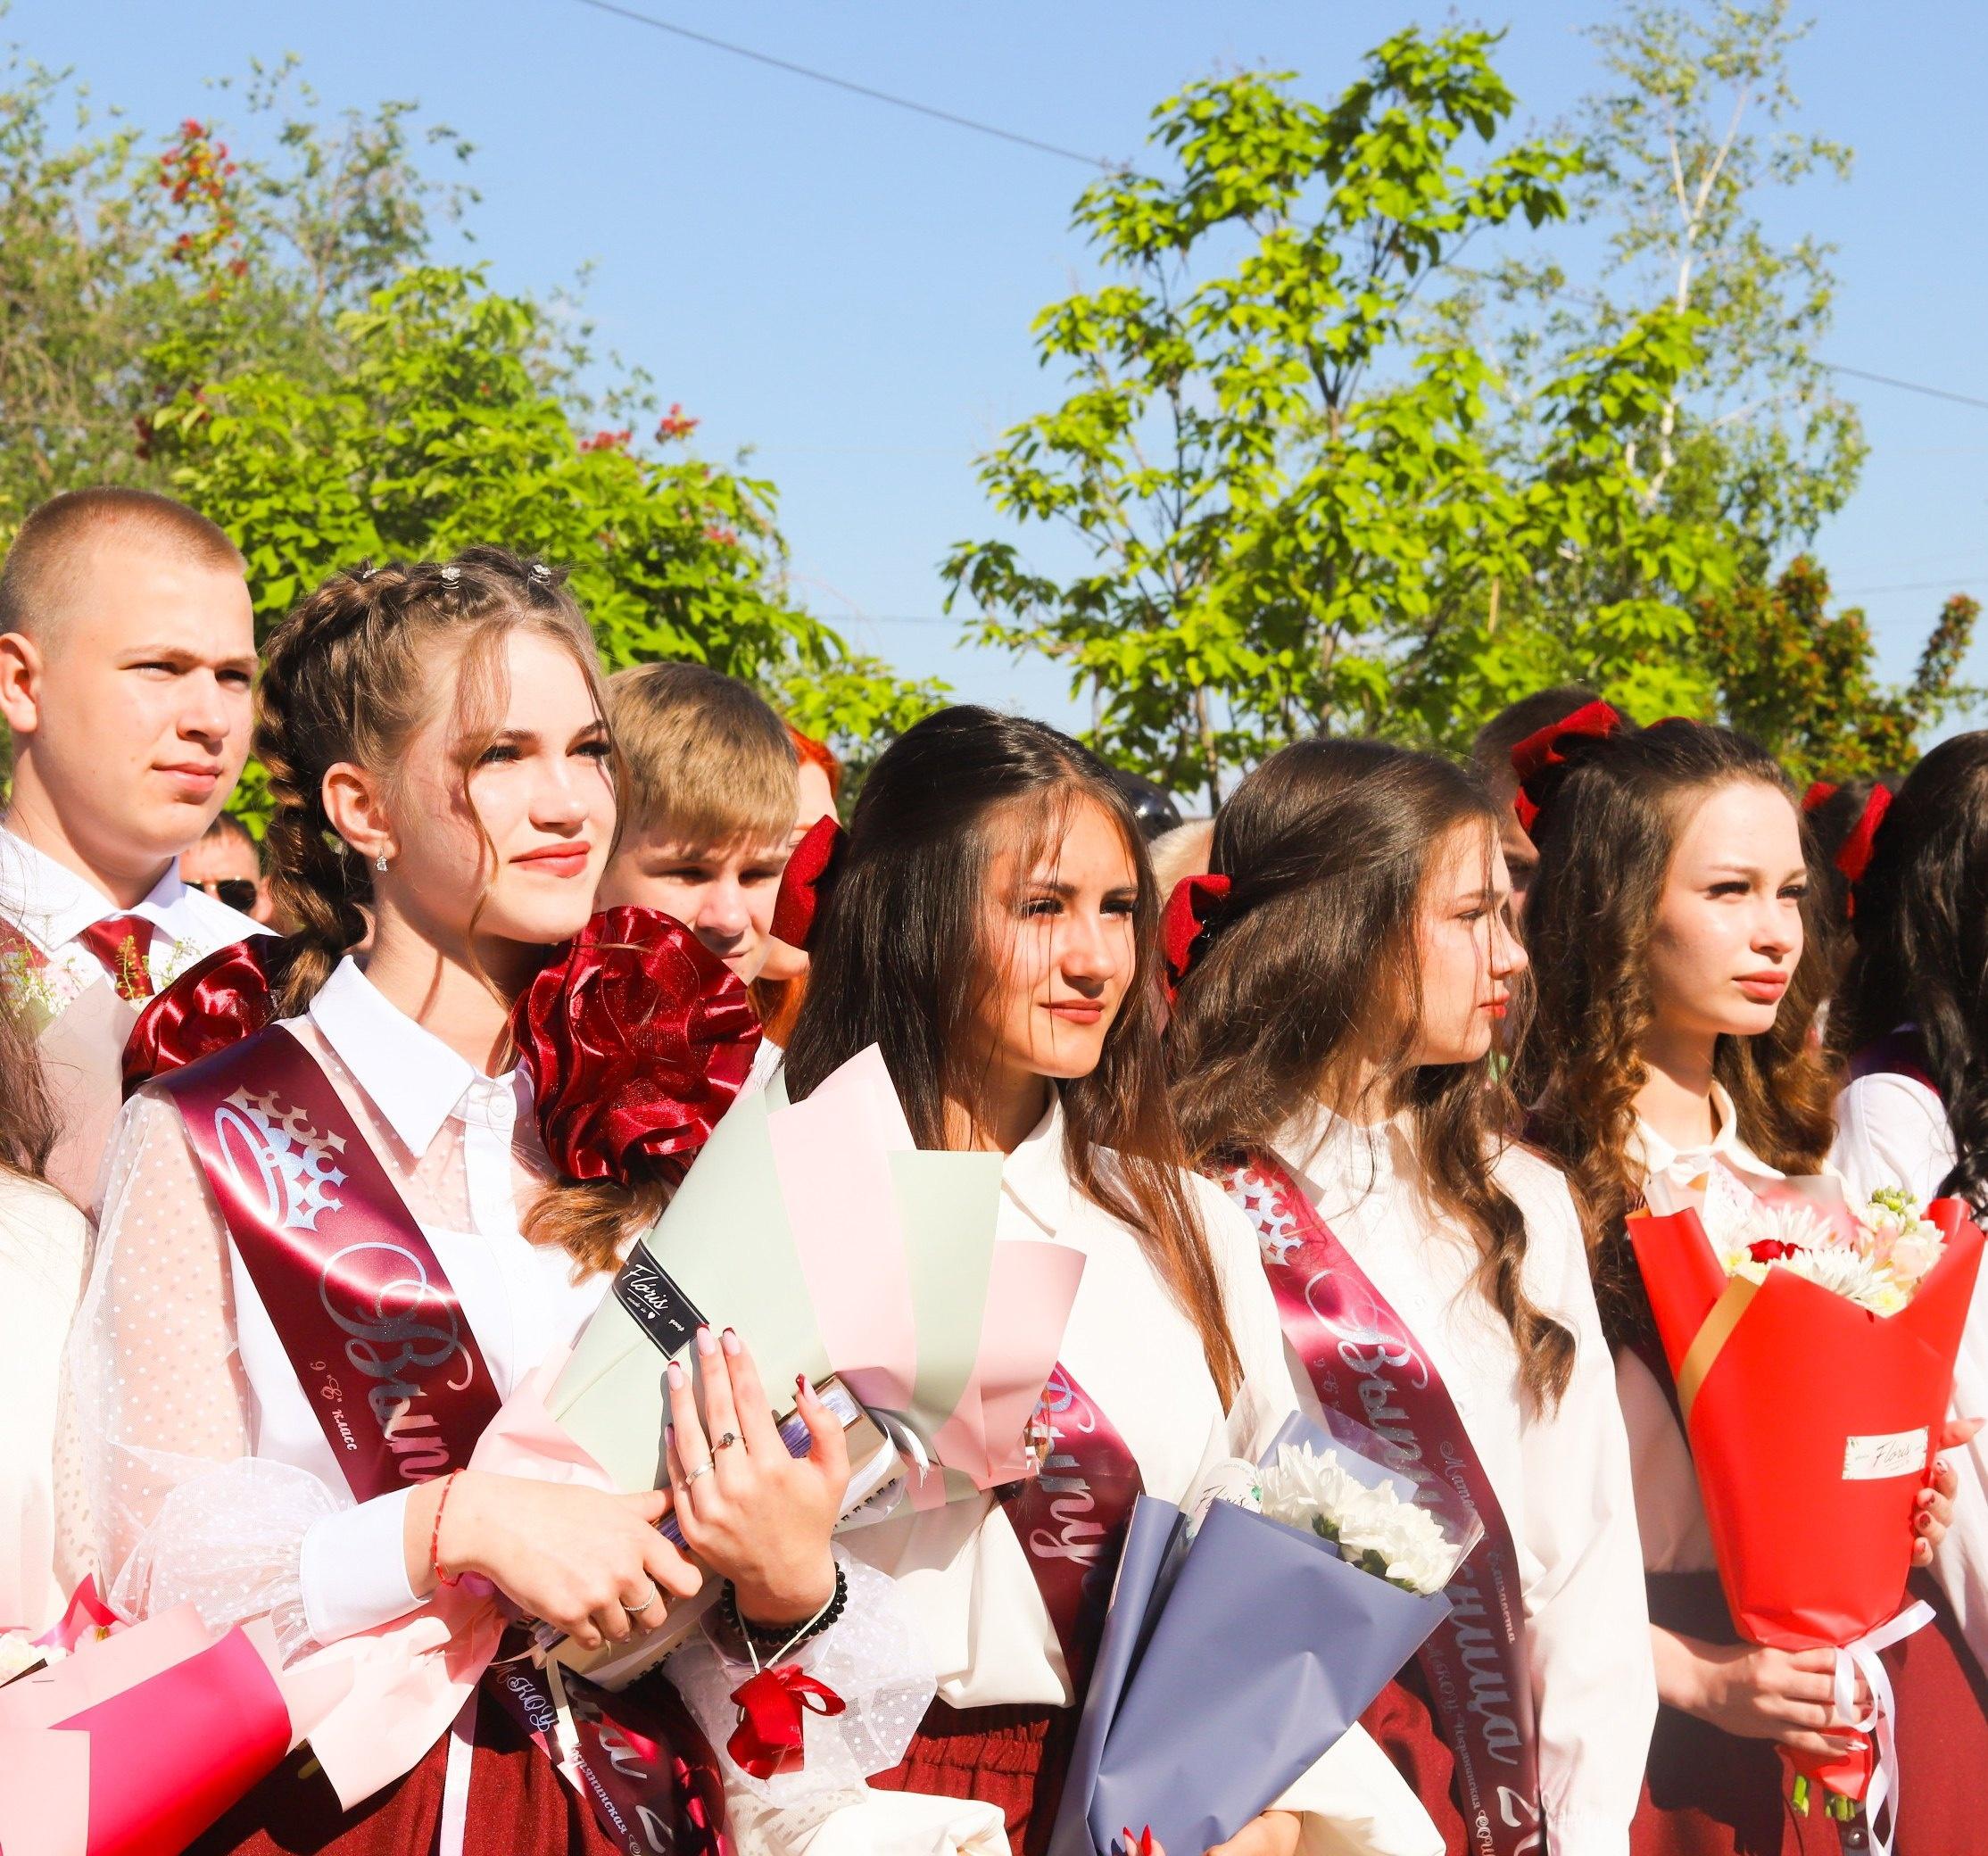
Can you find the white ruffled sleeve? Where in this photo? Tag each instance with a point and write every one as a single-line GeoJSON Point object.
{"type": "Point", "coordinates": [179, 1509]}
{"type": "Point", "coordinates": [876, 1662]}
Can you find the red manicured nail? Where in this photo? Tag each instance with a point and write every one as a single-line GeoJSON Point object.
{"type": "Point", "coordinates": [1146, 1842]}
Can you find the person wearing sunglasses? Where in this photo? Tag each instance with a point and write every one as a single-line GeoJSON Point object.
{"type": "Point", "coordinates": [227, 864]}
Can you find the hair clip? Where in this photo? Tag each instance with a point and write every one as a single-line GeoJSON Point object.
{"type": "Point", "coordinates": [1198, 906]}
{"type": "Point", "coordinates": [541, 572]}
{"type": "Point", "coordinates": [366, 572]}
{"type": "Point", "coordinates": [1538, 760]}
{"type": "Point", "coordinates": [1853, 854]}
{"type": "Point", "coordinates": [450, 574]}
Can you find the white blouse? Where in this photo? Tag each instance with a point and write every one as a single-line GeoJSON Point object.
{"type": "Point", "coordinates": [44, 1243]}
{"type": "Point", "coordinates": [1892, 1130]}
{"type": "Point", "coordinates": [84, 1044]}
{"type": "Point", "coordinates": [1561, 1476]}
{"type": "Point", "coordinates": [1133, 1351]}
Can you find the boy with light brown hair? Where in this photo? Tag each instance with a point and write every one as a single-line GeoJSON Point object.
{"type": "Point", "coordinates": [710, 792]}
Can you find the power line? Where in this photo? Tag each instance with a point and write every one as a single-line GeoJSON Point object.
{"type": "Point", "coordinates": [855, 89]}
{"type": "Point", "coordinates": [1910, 387]}
{"type": "Point", "coordinates": [1097, 162]}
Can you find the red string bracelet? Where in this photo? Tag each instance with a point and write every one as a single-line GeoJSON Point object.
{"type": "Point", "coordinates": [434, 1537]}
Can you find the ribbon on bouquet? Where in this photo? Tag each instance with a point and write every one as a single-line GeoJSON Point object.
{"type": "Point", "coordinates": [1862, 1658]}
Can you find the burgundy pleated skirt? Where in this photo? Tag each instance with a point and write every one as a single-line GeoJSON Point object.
{"type": "Point", "coordinates": [518, 1806]}
{"type": "Point", "coordinates": [1711, 1794]}
{"type": "Point", "coordinates": [1015, 1759]}
{"type": "Point", "coordinates": [1401, 1720]}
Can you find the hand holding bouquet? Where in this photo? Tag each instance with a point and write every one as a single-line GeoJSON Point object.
{"type": "Point", "coordinates": [1283, 1609]}
{"type": "Point", "coordinates": [1812, 1344]}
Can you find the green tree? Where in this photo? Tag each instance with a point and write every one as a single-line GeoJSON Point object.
{"type": "Point", "coordinates": [1800, 680]}
{"type": "Point", "coordinates": [1305, 497]}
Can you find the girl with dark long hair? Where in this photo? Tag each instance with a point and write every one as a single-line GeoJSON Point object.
{"type": "Point", "coordinates": [990, 924]}
{"type": "Point", "coordinates": [1911, 1020]}
{"type": "Point", "coordinates": [1673, 931]}
{"type": "Point", "coordinates": [1350, 960]}
{"type": "Point", "coordinates": [332, 1246]}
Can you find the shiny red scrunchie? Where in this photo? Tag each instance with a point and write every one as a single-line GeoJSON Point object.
{"type": "Point", "coordinates": [1193, 912]}
{"type": "Point", "coordinates": [1553, 747]}
{"type": "Point", "coordinates": [809, 871]}
{"type": "Point", "coordinates": [1853, 854]}
{"type": "Point", "coordinates": [637, 1038]}
{"type": "Point", "coordinates": [216, 1002]}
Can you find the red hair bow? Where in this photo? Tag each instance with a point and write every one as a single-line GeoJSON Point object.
{"type": "Point", "coordinates": [1193, 912]}
{"type": "Point", "coordinates": [637, 1038]}
{"type": "Point", "coordinates": [809, 871]}
{"type": "Point", "coordinates": [1553, 747]}
{"type": "Point", "coordinates": [1853, 853]}
{"type": "Point", "coordinates": [1819, 793]}
{"type": "Point", "coordinates": [217, 1001]}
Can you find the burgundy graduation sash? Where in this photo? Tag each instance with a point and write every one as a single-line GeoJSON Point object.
{"type": "Point", "coordinates": [365, 1312]}
{"type": "Point", "coordinates": [374, 1331]}
{"type": "Point", "coordinates": [1360, 1358]}
{"type": "Point", "coordinates": [1071, 1519]}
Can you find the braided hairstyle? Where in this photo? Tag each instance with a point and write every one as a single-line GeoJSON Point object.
{"type": "Point", "coordinates": [1921, 948]}
{"type": "Point", "coordinates": [1611, 817]}
{"type": "Point", "coordinates": [352, 675]}
{"type": "Point", "coordinates": [1328, 848]}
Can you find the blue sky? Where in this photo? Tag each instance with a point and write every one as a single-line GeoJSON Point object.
{"type": "Point", "coordinates": [846, 288]}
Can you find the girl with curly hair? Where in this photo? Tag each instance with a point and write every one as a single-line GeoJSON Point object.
{"type": "Point", "coordinates": [1349, 960]}
{"type": "Point", "coordinates": [1673, 926]}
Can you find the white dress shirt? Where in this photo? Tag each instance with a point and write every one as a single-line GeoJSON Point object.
{"type": "Point", "coordinates": [1135, 1353]}
{"type": "Point", "coordinates": [83, 1046]}
{"type": "Point", "coordinates": [1892, 1130]}
{"type": "Point", "coordinates": [1562, 1476]}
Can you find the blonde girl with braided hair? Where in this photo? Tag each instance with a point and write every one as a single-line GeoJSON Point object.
{"type": "Point", "coordinates": [330, 1248]}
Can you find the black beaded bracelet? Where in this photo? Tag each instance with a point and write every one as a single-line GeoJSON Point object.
{"type": "Point", "coordinates": [780, 1639]}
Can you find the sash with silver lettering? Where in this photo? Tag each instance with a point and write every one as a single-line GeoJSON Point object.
{"type": "Point", "coordinates": [374, 1331]}
{"type": "Point", "coordinates": [1071, 1519]}
{"type": "Point", "coordinates": [1360, 1358]}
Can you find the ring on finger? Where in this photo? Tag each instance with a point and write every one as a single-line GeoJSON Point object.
{"type": "Point", "coordinates": [725, 1442]}
{"type": "Point", "coordinates": [643, 1604]}
{"type": "Point", "coordinates": [703, 1468]}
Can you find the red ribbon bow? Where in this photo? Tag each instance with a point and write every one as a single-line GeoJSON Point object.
{"type": "Point", "coordinates": [1819, 793]}
{"type": "Point", "coordinates": [1853, 854]}
{"type": "Point", "coordinates": [217, 1001]}
{"type": "Point", "coordinates": [809, 871]}
{"type": "Point", "coordinates": [1552, 747]}
{"type": "Point", "coordinates": [637, 1038]}
{"type": "Point", "coordinates": [767, 1738]}
{"type": "Point", "coordinates": [1193, 912]}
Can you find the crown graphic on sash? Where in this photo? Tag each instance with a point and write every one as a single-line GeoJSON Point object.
{"type": "Point", "coordinates": [293, 1167]}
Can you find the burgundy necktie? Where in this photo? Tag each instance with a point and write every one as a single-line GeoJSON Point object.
{"type": "Point", "coordinates": [120, 944]}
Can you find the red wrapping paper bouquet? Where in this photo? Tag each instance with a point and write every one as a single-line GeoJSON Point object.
{"type": "Point", "coordinates": [1812, 1416]}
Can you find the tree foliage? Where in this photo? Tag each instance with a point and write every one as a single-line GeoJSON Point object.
{"type": "Point", "coordinates": [269, 339]}
{"type": "Point", "coordinates": [1304, 493]}
{"type": "Point", "coordinates": [1799, 679]}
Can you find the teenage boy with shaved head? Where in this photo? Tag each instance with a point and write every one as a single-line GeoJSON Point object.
{"type": "Point", "coordinates": [127, 656]}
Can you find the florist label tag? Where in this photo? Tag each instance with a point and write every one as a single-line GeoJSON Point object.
{"type": "Point", "coordinates": [1878, 1459]}
{"type": "Point", "coordinates": [661, 1310]}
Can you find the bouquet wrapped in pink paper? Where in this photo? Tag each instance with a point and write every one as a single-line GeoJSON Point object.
{"type": "Point", "coordinates": [135, 1740]}
{"type": "Point", "coordinates": [825, 1236]}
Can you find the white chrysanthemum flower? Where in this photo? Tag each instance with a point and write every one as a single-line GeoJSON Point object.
{"type": "Point", "coordinates": [1793, 1225]}
{"type": "Point", "coordinates": [1843, 1272]}
{"type": "Point", "coordinates": [18, 1652]}
{"type": "Point", "coordinates": [1374, 1527]}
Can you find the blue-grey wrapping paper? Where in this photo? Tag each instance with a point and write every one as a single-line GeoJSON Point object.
{"type": "Point", "coordinates": [1268, 1646]}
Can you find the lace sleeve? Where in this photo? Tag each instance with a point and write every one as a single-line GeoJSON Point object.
{"type": "Point", "coordinates": [874, 1660]}
{"type": "Point", "coordinates": [177, 1508]}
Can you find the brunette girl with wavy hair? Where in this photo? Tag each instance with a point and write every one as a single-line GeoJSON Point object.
{"type": "Point", "coordinates": [1673, 927]}
{"type": "Point", "coordinates": [439, 766]}
{"type": "Point", "coordinates": [1331, 1047]}
{"type": "Point", "coordinates": [990, 923]}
